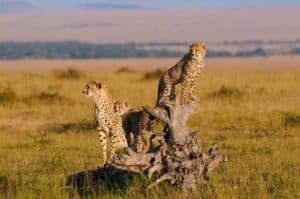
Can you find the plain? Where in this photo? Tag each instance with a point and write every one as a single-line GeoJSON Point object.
{"type": "Point", "coordinates": [249, 106]}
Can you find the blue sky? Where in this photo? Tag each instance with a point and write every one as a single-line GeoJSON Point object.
{"type": "Point", "coordinates": [164, 3]}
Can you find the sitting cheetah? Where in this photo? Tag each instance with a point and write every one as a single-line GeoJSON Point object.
{"type": "Point", "coordinates": [109, 123]}
{"type": "Point", "coordinates": [136, 125]}
{"type": "Point", "coordinates": [185, 72]}
{"type": "Point", "coordinates": [121, 107]}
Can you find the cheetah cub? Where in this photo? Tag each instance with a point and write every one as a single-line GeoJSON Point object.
{"type": "Point", "coordinates": [185, 72]}
{"type": "Point", "coordinates": [136, 126]}
{"type": "Point", "coordinates": [109, 123]}
{"type": "Point", "coordinates": [121, 107]}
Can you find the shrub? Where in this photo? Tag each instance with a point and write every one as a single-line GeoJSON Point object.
{"type": "Point", "coordinates": [125, 70]}
{"type": "Point", "coordinates": [156, 74]}
{"type": "Point", "coordinates": [291, 119]}
{"type": "Point", "coordinates": [83, 126]}
{"type": "Point", "coordinates": [225, 91]}
{"type": "Point", "coordinates": [69, 74]}
{"type": "Point", "coordinates": [7, 95]}
{"type": "Point", "coordinates": [3, 185]}
{"type": "Point", "coordinates": [45, 97]}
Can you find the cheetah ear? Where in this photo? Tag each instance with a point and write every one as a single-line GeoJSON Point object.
{"type": "Point", "coordinates": [126, 103]}
{"type": "Point", "coordinates": [204, 46]}
{"type": "Point", "coordinates": [191, 44]}
{"type": "Point", "coordinates": [99, 85]}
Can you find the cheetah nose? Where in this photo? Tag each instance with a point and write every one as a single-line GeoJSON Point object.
{"type": "Point", "coordinates": [83, 92]}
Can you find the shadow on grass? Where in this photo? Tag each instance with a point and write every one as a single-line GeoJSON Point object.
{"type": "Point", "coordinates": [83, 126]}
{"type": "Point", "coordinates": [102, 180]}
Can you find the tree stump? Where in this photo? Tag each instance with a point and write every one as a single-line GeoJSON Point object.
{"type": "Point", "coordinates": [179, 158]}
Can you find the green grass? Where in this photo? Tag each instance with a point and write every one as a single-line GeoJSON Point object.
{"type": "Point", "coordinates": [47, 132]}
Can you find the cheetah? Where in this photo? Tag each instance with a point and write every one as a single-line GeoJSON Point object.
{"type": "Point", "coordinates": [121, 107]}
{"type": "Point", "coordinates": [136, 124]}
{"type": "Point", "coordinates": [109, 123]}
{"type": "Point", "coordinates": [185, 72]}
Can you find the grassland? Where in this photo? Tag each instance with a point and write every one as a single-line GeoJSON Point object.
{"type": "Point", "coordinates": [251, 108]}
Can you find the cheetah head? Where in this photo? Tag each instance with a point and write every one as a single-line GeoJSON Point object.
{"type": "Point", "coordinates": [198, 50]}
{"type": "Point", "coordinates": [92, 88]}
{"type": "Point", "coordinates": [121, 107]}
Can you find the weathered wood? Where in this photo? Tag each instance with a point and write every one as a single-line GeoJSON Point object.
{"type": "Point", "coordinates": [179, 159]}
{"type": "Point", "coordinates": [175, 117]}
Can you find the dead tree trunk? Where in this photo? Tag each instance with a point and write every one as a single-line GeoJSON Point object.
{"type": "Point", "coordinates": [179, 158]}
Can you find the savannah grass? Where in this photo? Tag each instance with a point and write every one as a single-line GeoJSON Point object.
{"type": "Point", "coordinates": [47, 131]}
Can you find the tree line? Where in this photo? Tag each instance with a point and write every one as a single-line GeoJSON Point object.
{"type": "Point", "coordinates": [81, 50]}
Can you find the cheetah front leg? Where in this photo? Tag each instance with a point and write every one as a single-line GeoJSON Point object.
{"type": "Point", "coordinates": [103, 144]}
{"type": "Point", "coordinates": [118, 143]}
{"type": "Point", "coordinates": [192, 95]}
{"type": "Point", "coordinates": [185, 92]}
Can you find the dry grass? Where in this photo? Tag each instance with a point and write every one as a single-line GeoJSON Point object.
{"type": "Point", "coordinates": [47, 130]}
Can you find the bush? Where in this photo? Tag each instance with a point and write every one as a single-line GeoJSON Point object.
{"type": "Point", "coordinates": [125, 70]}
{"type": "Point", "coordinates": [69, 74]}
{"type": "Point", "coordinates": [82, 126]}
{"type": "Point", "coordinates": [3, 185]}
{"type": "Point", "coordinates": [49, 98]}
{"type": "Point", "coordinates": [156, 74]}
{"type": "Point", "coordinates": [227, 92]}
{"type": "Point", "coordinates": [7, 95]}
{"type": "Point", "coordinates": [291, 119]}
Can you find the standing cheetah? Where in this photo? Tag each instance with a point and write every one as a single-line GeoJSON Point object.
{"type": "Point", "coordinates": [185, 72]}
{"type": "Point", "coordinates": [109, 123]}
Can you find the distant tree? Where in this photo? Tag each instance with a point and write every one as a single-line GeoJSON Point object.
{"type": "Point", "coordinates": [80, 50]}
{"type": "Point", "coordinates": [295, 51]}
